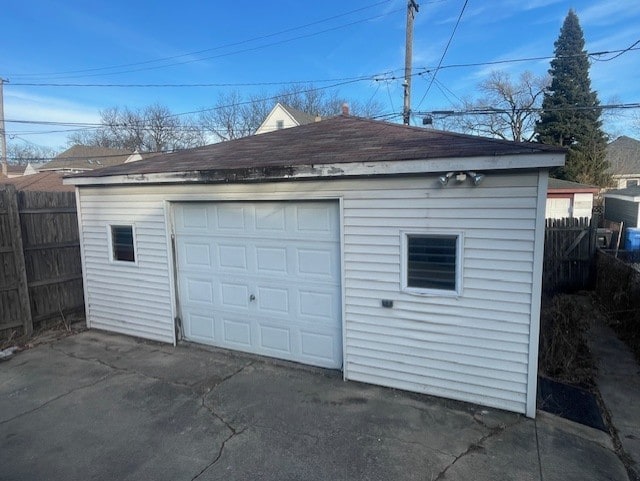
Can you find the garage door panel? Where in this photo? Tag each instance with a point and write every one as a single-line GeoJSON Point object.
{"type": "Point", "coordinates": [270, 219]}
{"type": "Point", "coordinates": [271, 260]}
{"type": "Point", "coordinates": [229, 217]}
{"type": "Point", "coordinates": [201, 326]}
{"type": "Point", "coordinates": [234, 295]}
{"type": "Point", "coordinates": [236, 332]}
{"type": "Point", "coordinates": [274, 338]}
{"type": "Point", "coordinates": [199, 290]}
{"type": "Point", "coordinates": [262, 277]}
{"type": "Point", "coordinates": [232, 257]}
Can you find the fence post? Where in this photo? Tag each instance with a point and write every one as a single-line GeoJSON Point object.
{"type": "Point", "coordinates": [15, 231]}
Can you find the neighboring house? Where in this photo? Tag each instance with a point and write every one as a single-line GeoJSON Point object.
{"type": "Point", "coordinates": [623, 205]}
{"type": "Point", "coordinates": [623, 155]}
{"type": "Point", "coordinates": [40, 182]}
{"type": "Point", "coordinates": [283, 117]}
{"type": "Point", "coordinates": [81, 158]}
{"type": "Point", "coordinates": [406, 257]}
{"type": "Point", "coordinates": [569, 199]}
{"type": "Point", "coordinates": [15, 170]}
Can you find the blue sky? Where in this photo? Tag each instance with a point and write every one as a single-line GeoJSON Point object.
{"type": "Point", "coordinates": [275, 43]}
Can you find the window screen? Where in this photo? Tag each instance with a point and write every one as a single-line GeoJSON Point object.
{"type": "Point", "coordinates": [280, 124]}
{"type": "Point", "coordinates": [122, 243]}
{"type": "Point", "coordinates": [431, 261]}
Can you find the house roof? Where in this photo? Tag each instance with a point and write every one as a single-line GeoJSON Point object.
{"type": "Point", "coordinates": [623, 155]}
{"type": "Point", "coordinates": [335, 141]}
{"type": "Point", "coordinates": [16, 169]}
{"type": "Point", "coordinates": [566, 186]}
{"type": "Point", "coordinates": [83, 157]}
{"type": "Point", "coordinates": [302, 118]}
{"type": "Point", "coordinates": [50, 181]}
{"type": "Point", "coordinates": [633, 191]}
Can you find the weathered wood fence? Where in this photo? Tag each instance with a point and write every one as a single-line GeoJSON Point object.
{"type": "Point", "coordinates": [569, 254]}
{"type": "Point", "coordinates": [40, 266]}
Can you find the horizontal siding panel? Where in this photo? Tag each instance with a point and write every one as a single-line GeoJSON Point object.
{"type": "Point", "coordinates": [512, 377]}
{"type": "Point", "coordinates": [501, 245]}
{"type": "Point", "coordinates": [425, 320]}
{"type": "Point", "coordinates": [499, 264]}
{"type": "Point", "coordinates": [489, 255]}
{"type": "Point", "coordinates": [131, 329]}
{"type": "Point", "coordinates": [435, 201]}
{"type": "Point", "coordinates": [474, 356]}
{"type": "Point", "coordinates": [391, 379]}
{"type": "Point", "coordinates": [498, 275]}
{"type": "Point", "coordinates": [472, 306]}
{"type": "Point", "coordinates": [144, 302]}
{"type": "Point", "coordinates": [452, 221]}
{"type": "Point", "coordinates": [464, 335]}
{"type": "Point", "coordinates": [131, 316]}
{"type": "Point", "coordinates": [445, 379]}
{"type": "Point", "coordinates": [400, 216]}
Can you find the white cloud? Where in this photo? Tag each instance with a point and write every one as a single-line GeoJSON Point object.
{"type": "Point", "coordinates": [20, 105]}
{"type": "Point", "coordinates": [609, 12]}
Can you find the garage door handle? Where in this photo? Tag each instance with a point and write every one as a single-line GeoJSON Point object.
{"type": "Point", "coordinates": [252, 297]}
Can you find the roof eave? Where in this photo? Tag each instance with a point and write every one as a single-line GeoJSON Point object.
{"type": "Point", "coordinates": [331, 171]}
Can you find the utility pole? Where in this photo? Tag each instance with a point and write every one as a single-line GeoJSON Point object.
{"type": "Point", "coordinates": [412, 9]}
{"type": "Point", "coordinates": [3, 137]}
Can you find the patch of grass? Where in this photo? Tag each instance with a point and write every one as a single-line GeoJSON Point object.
{"type": "Point", "coordinates": [563, 351]}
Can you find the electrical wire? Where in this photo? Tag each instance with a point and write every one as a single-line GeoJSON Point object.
{"type": "Point", "coordinates": [446, 48]}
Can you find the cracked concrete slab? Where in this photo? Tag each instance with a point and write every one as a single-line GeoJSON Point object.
{"type": "Point", "coordinates": [130, 428]}
{"type": "Point", "coordinates": [103, 406]}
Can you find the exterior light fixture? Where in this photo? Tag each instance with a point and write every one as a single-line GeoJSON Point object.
{"type": "Point", "coordinates": [474, 177]}
{"type": "Point", "coordinates": [444, 178]}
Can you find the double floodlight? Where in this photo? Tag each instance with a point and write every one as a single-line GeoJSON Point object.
{"type": "Point", "coordinates": [459, 177]}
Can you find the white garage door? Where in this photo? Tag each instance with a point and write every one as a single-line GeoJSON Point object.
{"type": "Point", "coordinates": [262, 277]}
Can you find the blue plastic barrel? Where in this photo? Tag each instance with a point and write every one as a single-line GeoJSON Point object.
{"type": "Point", "coordinates": [632, 239]}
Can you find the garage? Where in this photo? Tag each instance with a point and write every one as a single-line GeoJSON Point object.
{"type": "Point", "coordinates": [261, 277]}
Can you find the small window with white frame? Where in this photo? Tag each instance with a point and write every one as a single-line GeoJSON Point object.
{"type": "Point", "coordinates": [432, 263]}
{"type": "Point", "coordinates": [279, 124]}
{"type": "Point", "coordinates": [122, 242]}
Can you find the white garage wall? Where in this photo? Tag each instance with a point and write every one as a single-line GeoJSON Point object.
{"type": "Point", "coordinates": [473, 348]}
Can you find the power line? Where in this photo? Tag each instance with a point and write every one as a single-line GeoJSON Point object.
{"type": "Point", "coordinates": [621, 52]}
{"type": "Point", "coordinates": [376, 77]}
{"type": "Point", "coordinates": [251, 49]}
{"type": "Point", "coordinates": [446, 48]}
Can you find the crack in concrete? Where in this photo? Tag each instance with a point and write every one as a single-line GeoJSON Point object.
{"type": "Point", "coordinates": [120, 369]}
{"type": "Point", "coordinates": [220, 451]}
{"type": "Point", "coordinates": [37, 408]}
{"type": "Point", "coordinates": [477, 445]}
{"type": "Point", "coordinates": [233, 431]}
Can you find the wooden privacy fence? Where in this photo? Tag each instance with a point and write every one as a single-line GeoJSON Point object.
{"type": "Point", "coordinates": [40, 266]}
{"type": "Point", "coordinates": [569, 254]}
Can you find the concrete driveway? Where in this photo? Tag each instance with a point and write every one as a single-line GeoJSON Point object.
{"type": "Point", "coordinates": [102, 406]}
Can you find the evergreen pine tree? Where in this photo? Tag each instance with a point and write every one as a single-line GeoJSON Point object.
{"type": "Point", "coordinates": [571, 110]}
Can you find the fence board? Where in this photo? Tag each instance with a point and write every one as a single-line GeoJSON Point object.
{"type": "Point", "coordinates": [13, 239]}
{"type": "Point", "coordinates": [569, 250]}
{"type": "Point", "coordinates": [49, 256]}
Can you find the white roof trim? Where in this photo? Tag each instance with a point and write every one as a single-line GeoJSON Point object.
{"type": "Point", "coordinates": [628, 198]}
{"type": "Point", "coordinates": [333, 171]}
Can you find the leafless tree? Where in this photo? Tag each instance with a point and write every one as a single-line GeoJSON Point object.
{"type": "Point", "coordinates": [507, 109]}
{"type": "Point", "coordinates": [234, 116]}
{"type": "Point", "coordinates": [150, 129]}
{"type": "Point", "coordinates": [20, 153]}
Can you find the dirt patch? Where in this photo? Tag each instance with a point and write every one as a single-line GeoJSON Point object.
{"type": "Point", "coordinates": [564, 354]}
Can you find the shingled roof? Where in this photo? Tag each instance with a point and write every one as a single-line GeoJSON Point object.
{"type": "Point", "coordinates": [623, 155]}
{"type": "Point", "coordinates": [342, 139]}
{"type": "Point", "coordinates": [40, 182]}
{"type": "Point", "coordinates": [84, 157]}
{"type": "Point", "coordinates": [302, 118]}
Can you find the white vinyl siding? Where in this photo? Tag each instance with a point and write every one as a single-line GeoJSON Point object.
{"type": "Point", "coordinates": [126, 297]}
{"type": "Point", "coordinates": [474, 347]}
